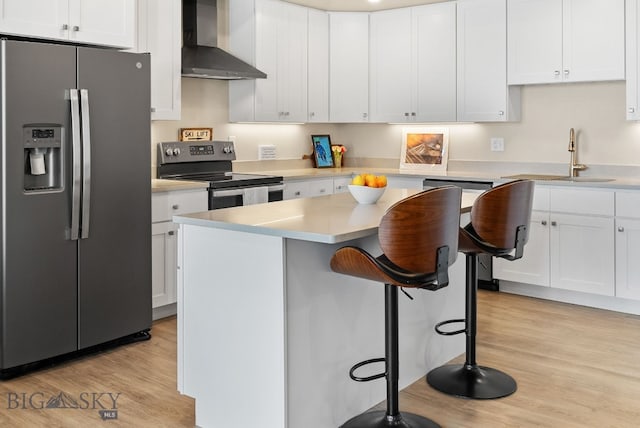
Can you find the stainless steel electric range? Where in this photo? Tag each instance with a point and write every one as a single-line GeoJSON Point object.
{"type": "Point", "coordinates": [210, 161]}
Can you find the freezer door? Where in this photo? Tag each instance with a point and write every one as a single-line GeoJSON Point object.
{"type": "Point", "coordinates": [115, 249]}
{"type": "Point", "coordinates": [39, 262]}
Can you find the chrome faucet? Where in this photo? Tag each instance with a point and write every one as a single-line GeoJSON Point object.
{"type": "Point", "coordinates": [573, 166]}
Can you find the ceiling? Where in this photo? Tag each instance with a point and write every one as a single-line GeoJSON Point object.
{"type": "Point", "coordinates": [360, 5]}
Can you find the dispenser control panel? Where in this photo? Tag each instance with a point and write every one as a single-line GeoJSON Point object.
{"type": "Point", "coordinates": [42, 136]}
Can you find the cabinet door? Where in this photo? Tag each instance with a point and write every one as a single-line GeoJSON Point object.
{"type": "Point", "coordinates": [48, 19]}
{"type": "Point", "coordinates": [627, 256]}
{"type": "Point", "coordinates": [103, 22]}
{"type": "Point", "coordinates": [320, 187]}
{"type": "Point", "coordinates": [163, 262]}
{"type": "Point", "coordinates": [632, 39]}
{"type": "Point", "coordinates": [281, 52]}
{"type": "Point", "coordinates": [582, 253]}
{"type": "Point", "coordinates": [391, 65]}
{"type": "Point", "coordinates": [534, 42]}
{"type": "Point", "coordinates": [433, 53]}
{"type": "Point", "coordinates": [483, 95]}
{"type": "Point", "coordinates": [348, 67]}
{"type": "Point", "coordinates": [533, 267]}
{"type": "Point", "coordinates": [295, 190]}
{"type": "Point", "coordinates": [159, 33]}
{"type": "Point", "coordinates": [341, 184]}
{"type": "Point", "coordinates": [593, 40]}
{"type": "Point", "coordinates": [318, 66]}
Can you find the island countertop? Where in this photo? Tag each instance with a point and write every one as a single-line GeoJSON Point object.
{"type": "Point", "coordinates": [326, 219]}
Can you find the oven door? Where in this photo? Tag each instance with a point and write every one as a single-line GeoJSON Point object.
{"type": "Point", "coordinates": [242, 196]}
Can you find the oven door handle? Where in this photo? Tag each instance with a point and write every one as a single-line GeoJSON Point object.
{"type": "Point", "coordinates": [240, 192]}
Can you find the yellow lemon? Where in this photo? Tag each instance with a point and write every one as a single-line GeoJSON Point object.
{"type": "Point", "coordinates": [358, 180]}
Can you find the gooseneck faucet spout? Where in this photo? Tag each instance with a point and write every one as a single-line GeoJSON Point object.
{"type": "Point", "coordinates": [573, 166]}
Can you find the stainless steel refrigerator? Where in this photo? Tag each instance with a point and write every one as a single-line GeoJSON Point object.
{"type": "Point", "coordinates": [75, 200]}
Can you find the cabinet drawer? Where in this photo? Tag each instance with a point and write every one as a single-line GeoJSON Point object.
{"type": "Point", "coordinates": [321, 187]}
{"type": "Point", "coordinates": [340, 184]}
{"type": "Point", "coordinates": [164, 205]}
{"type": "Point", "coordinates": [579, 201]}
{"type": "Point", "coordinates": [628, 204]}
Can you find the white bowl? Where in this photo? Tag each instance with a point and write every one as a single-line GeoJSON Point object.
{"type": "Point", "coordinates": [365, 194]}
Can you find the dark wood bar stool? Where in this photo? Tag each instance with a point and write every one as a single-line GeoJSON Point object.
{"type": "Point", "coordinates": [419, 240]}
{"type": "Point", "coordinates": [499, 227]}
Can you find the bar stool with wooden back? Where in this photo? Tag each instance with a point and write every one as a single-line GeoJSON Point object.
{"type": "Point", "coordinates": [419, 239]}
{"type": "Point", "coordinates": [499, 227]}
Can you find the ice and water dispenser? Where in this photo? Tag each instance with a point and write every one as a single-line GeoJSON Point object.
{"type": "Point", "coordinates": [43, 157]}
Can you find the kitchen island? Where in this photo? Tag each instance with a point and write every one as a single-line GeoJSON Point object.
{"type": "Point", "coordinates": [267, 332]}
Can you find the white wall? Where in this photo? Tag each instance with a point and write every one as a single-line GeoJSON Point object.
{"type": "Point", "coordinates": [595, 110]}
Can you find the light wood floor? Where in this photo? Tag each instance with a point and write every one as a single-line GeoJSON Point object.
{"type": "Point", "coordinates": [575, 367]}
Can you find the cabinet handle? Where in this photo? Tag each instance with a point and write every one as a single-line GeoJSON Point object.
{"type": "Point", "coordinates": [413, 113]}
{"type": "Point", "coordinates": [406, 114]}
{"type": "Point", "coordinates": [544, 222]}
{"type": "Point", "coordinates": [501, 113]}
{"type": "Point", "coordinates": [175, 207]}
{"type": "Point", "coordinates": [632, 109]}
{"type": "Point", "coordinates": [76, 28]}
{"type": "Point", "coordinates": [553, 223]}
{"type": "Point", "coordinates": [65, 26]}
{"type": "Point", "coordinates": [566, 72]}
{"type": "Point", "coordinates": [312, 114]}
{"type": "Point", "coordinates": [556, 73]}
{"type": "Point", "coordinates": [620, 229]}
{"type": "Point", "coordinates": [323, 190]}
{"type": "Point", "coordinates": [171, 233]}
{"type": "Point", "coordinates": [297, 193]}
{"type": "Point", "coordinates": [364, 115]}
{"type": "Point", "coordinates": [153, 109]}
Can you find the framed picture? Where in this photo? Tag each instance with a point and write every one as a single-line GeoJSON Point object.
{"type": "Point", "coordinates": [322, 151]}
{"type": "Point", "coordinates": [425, 149]}
{"type": "Point", "coordinates": [196, 134]}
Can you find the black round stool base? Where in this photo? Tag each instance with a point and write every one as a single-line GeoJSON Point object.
{"type": "Point", "coordinates": [378, 419]}
{"type": "Point", "coordinates": [471, 381]}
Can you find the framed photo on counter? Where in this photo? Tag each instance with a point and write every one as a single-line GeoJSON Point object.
{"type": "Point", "coordinates": [425, 149]}
{"type": "Point", "coordinates": [322, 151]}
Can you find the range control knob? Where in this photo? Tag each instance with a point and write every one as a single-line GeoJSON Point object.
{"type": "Point", "coordinates": [227, 149]}
{"type": "Point", "coordinates": [176, 152]}
{"type": "Point", "coordinates": [169, 152]}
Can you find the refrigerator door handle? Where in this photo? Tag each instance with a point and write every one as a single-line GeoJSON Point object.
{"type": "Point", "coordinates": [76, 164]}
{"type": "Point", "coordinates": [86, 164]}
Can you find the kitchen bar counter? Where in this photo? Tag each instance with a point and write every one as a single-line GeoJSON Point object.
{"type": "Point", "coordinates": [267, 332]}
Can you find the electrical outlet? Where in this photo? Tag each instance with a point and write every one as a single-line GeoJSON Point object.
{"type": "Point", "coordinates": [497, 144]}
{"type": "Point", "coordinates": [232, 138]}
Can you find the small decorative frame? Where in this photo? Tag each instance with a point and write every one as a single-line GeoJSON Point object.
{"type": "Point", "coordinates": [196, 134]}
{"type": "Point", "coordinates": [322, 151]}
{"type": "Point", "coordinates": [425, 149]}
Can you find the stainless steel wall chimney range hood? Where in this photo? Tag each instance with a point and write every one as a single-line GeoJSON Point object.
{"type": "Point", "coordinates": [201, 57]}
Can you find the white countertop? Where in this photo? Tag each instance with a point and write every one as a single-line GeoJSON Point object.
{"type": "Point", "coordinates": [327, 219]}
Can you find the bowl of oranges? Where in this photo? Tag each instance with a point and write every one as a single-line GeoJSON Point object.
{"type": "Point", "coordinates": [367, 188]}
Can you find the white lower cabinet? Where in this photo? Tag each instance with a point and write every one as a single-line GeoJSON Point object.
{"type": "Point", "coordinates": [163, 251]}
{"type": "Point", "coordinates": [341, 184]}
{"type": "Point", "coordinates": [164, 242]}
{"type": "Point", "coordinates": [582, 253]}
{"type": "Point", "coordinates": [628, 244]}
{"type": "Point", "coordinates": [571, 242]}
{"type": "Point", "coordinates": [308, 188]}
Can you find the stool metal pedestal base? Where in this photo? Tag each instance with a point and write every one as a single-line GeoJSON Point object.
{"type": "Point", "coordinates": [471, 381]}
{"type": "Point", "coordinates": [378, 419]}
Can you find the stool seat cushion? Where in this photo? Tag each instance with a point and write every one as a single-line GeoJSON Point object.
{"type": "Point", "coordinates": [357, 262]}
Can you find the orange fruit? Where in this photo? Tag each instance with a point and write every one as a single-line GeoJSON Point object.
{"type": "Point", "coordinates": [381, 181]}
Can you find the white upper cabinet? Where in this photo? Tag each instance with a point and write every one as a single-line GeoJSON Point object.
{"type": "Point", "coordinates": [348, 67]}
{"type": "Point", "coordinates": [483, 94]}
{"type": "Point", "coordinates": [99, 22]}
{"type": "Point", "coordinates": [277, 45]}
{"type": "Point", "coordinates": [566, 40]}
{"type": "Point", "coordinates": [318, 66]}
{"type": "Point", "coordinates": [160, 34]}
{"type": "Point", "coordinates": [633, 59]}
{"type": "Point", "coordinates": [413, 63]}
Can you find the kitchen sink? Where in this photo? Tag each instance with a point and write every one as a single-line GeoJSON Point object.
{"type": "Point", "coordinates": [548, 177]}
